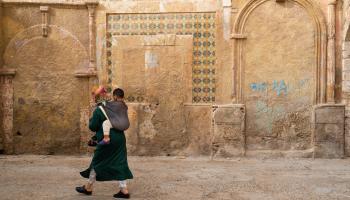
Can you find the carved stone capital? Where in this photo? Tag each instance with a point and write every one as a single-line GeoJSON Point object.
{"type": "Point", "coordinates": [91, 4]}
{"type": "Point", "coordinates": [7, 72]}
{"type": "Point", "coordinates": [332, 2]}
{"type": "Point", "coordinates": [44, 8]}
{"type": "Point", "coordinates": [238, 36]}
{"type": "Point", "coordinates": [86, 73]}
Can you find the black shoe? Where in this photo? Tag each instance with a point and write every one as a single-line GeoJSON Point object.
{"type": "Point", "coordinates": [121, 195]}
{"type": "Point", "coordinates": [92, 143]}
{"type": "Point", "coordinates": [83, 190]}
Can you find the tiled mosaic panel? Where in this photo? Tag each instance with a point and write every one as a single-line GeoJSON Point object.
{"type": "Point", "coordinates": [200, 25]}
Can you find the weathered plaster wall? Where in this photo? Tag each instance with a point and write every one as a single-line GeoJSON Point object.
{"type": "Point", "coordinates": [47, 95]}
{"type": "Point", "coordinates": [134, 51]}
{"type": "Point", "coordinates": [278, 104]}
{"type": "Point", "coordinates": [286, 54]}
{"type": "Point", "coordinates": [175, 60]}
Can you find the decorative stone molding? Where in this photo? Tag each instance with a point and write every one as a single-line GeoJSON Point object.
{"type": "Point", "coordinates": [85, 74]}
{"type": "Point", "coordinates": [238, 36]}
{"type": "Point", "coordinates": [6, 95]}
{"type": "Point", "coordinates": [331, 51]}
{"type": "Point", "coordinates": [45, 19]}
{"type": "Point", "coordinates": [7, 72]}
{"type": "Point", "coordinates": [91, 5]}
{"type": "Point", "coordinates": [47, 2]}
{"type": "Point", "coordinates": [320, 42]}
{"type": "Point", "coordinates": [226, 3]}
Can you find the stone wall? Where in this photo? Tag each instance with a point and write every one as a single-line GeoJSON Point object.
{"type": "Point", "coordinates": [45, 45]}
{"type": "Point", "coordinates": [346, 72]}
{"type": "Point", "coordinates": [173, 78]}
{"type": "Point", "coordinates": [175, 59]}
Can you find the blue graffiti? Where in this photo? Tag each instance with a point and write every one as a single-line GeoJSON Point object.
{"type": "Point", "coordinates": [258, 86]}
{"type": "Point", "coordinates": [279, 87]}
{"type": "Point", "coordinates": [303, 82]}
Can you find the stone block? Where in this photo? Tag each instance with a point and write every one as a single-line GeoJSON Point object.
{"type": "Point", "coordinates": [228, 115]}
{"type": "Point", "coordinates": [228, 130]}
{"type": "Point", "coordinates": [346, 86]}
{"type": "Point", "coordinates": [329, 129]}
{"type": "Point", "coordinates": [346, 64]}
{"type": "Point", "coordinates": [346, 76]}
{"type": "Point", "coordinates": [347, 146]}
{"type": "Point", "coordinates": [329, 132]}
{"type": "Point", "coordinates": [329, 150]}
{"type": "Point", "coordinates": [346, 50]}
{"type": "Point", "coordinates": [198, 124]}
{"type": "Point", "coordinates": [329, 114]}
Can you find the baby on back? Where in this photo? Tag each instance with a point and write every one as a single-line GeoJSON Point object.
{"type": "Point", "coordinates": [115, 111]}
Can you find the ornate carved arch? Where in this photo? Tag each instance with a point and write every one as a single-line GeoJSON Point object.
{"type": "Point", "coordinates": [320, 25]}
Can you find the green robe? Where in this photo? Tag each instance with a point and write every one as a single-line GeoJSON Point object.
{"type": "Point", "coordinates": [109, 161]}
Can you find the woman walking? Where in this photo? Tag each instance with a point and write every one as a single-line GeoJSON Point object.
{"type": "Point", "coordinates": [109, 162]}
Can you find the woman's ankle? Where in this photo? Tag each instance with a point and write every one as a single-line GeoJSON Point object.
{"type": "Point", "coordinates": [88, 187]}
{"type": "Point", "coordinates": [124, 190]}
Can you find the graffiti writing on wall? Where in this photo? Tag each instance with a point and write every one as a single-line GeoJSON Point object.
{"type": "Point", "coordinates": [280, 87]}
{"type": "Point", "coordinates": [268, 110]}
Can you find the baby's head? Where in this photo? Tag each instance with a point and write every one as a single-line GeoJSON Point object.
{"type": "Point", "coordinates": [118, 94]}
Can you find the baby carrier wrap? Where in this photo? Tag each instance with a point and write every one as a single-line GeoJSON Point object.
{"type": "Point", "coordinates": [117, 113]}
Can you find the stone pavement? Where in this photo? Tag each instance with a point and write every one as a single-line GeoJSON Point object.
{"type": "Point", "coordinates": [176, 178]}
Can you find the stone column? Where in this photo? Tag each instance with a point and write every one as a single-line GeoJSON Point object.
{"type": "Point", "coordinates": [237, 94]}
{"type": "Point", "coordinates": [6, 95]}
{"type": "Point", "coordinates": [227, 8]}
{"type": "Point", "coordinates": [44, 19]}
{"type": "Point", "coordinates": [331, 52]}
{"type": "Point", "coordinates": [91, 5]}
{"type": "Point", "coordinates": [86, 109]}
{"type": "Point", "coordinates": [1, 42]}
{"type": "Point", "coordinates": [89, 76]}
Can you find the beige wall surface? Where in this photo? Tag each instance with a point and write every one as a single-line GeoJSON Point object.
{"type": "Point", "coordinates": [279, 77]}
{"type": "Point", "coordinates": [47, 96]}
{"type": "Point", "coordinates": [175, 59]}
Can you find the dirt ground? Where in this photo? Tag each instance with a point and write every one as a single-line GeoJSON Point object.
{"type": "Point", "coordinates": [176, 178]}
